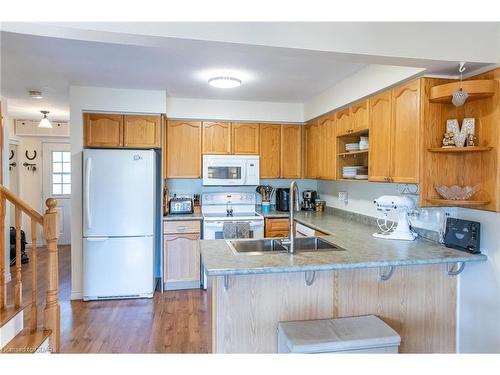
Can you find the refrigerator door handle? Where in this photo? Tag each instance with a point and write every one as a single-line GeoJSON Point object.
{"type": "Point", "coordinates": [88, 213]}
{"type": "Point", "coordinates": [96, 239]}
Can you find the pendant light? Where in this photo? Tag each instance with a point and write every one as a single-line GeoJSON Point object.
{"type": "Point", "coordinates": [45, 123]}
{"type": "Point", "coordinates": [459, 97]}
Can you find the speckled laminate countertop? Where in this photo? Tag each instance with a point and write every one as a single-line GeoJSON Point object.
{"type": "Point", "coordinates": [179, 217]}
{"type": "Point", "coordinates": [361, 250]}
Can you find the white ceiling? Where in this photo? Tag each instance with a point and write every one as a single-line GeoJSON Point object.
{"type": "Point", "coordinates": [278, 62]}
{"type": "Point", "coordinates": [182, 69]}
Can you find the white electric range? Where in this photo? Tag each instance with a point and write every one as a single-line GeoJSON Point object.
{"type": "Point", "coordinates": [219, 208]}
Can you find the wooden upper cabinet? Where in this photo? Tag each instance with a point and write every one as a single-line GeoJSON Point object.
{"type": "Point", "coordinates": [103, 130]}
{"type": "Point", "coordinates": [245, 139]}
{"type": "Point", "coordinates": [312, 150]}
{"type": "Point", "coordinates": [141, 131]}
{"type": "Point", "coordinates": [405, 132]}
{"type": "Point", "coordinates": [216, 138]}
{"type": "Point", "coordinates": [327, 147]}
{"type": "Point", "coordinates": [359, 116]}
{"type": "Point", "coordinates": [291, 151]}
{"type": "Point", "coordinates": [379, 159]}
{"type": "Point", "coordinates": [183, 149]}
{"type": "Point", "coordinates": [343, 121]}
{"type": "Point", "coordinates": [270, 149]}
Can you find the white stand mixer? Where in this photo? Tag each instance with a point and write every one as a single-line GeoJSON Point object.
{"type": "Point", "coordinates": [402, 231]}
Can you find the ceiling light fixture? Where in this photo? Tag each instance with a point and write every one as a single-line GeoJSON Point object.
{"type": "Point", "coordinates": [45, 123]}
{"type": "Point", "coordinates": [224, 82]}
{"type": "Point", "coordinates": [35, 94]}
{"type": "Point", "coordinates": [459, 97]}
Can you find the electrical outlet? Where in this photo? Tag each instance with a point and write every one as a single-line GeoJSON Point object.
{"type": "Point", "coordinates": [343, 197]}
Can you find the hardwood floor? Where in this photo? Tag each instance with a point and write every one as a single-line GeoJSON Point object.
{"type": "Point", "coordinates": [172, 322]}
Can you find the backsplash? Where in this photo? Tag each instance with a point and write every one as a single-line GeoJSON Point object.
{"type": "Point", "coordinates": [194, 186]}
{"type": "Point", "coordinates": [362, 194]}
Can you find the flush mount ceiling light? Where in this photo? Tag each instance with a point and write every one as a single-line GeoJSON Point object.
{"type": "Point", "coordinates": [45, 123]}
{"type": "Point", "coordinates": [35, 94]}
{"type": "Point", "coordinates": [224, 82]}
{"type": "Point", "coordinates": [459, 97]}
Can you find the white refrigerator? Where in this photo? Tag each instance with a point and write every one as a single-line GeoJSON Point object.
{"type": "Point", "coordinates": [118, 223]}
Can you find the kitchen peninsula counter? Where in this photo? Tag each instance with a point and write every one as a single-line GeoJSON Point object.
{"type": "Point", "coordinates": [359, 250]}
{"type": "Point", "coordinates": [250, 294]}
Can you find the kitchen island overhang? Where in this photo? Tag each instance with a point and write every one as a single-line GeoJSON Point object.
{"type": "Point", "coordinates": [410, 285]}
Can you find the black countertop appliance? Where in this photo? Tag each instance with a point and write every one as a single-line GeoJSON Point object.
{"type": "Point", "coordinates": [283, 199]}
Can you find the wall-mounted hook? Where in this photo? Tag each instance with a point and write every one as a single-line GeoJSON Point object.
{"type": "Point", "coordinates": [30, 166]}
{"type": "Point", "coordinates": [28, 157]}
{"type": "Point", "coordinates": [11, 154]}
{"type": "Point", "coordinates": [12, 165]}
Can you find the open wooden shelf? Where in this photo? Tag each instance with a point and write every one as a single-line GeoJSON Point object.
{"type": "Point", "coordinates": [451, 202]}
{"type": "Point", "coordinates": [461, 149]}
{"type": "Point", "coordinates": [354, 152]}
{"type": "Point", "coordinates": [477, 89]}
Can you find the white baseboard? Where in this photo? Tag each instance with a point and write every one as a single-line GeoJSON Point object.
{"type": "Point", "coordinates": [11, 328]}
{"type": "Point", "coordinates": [76, 295]}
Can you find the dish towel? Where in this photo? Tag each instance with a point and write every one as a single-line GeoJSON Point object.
{"type": "Point", "coordinates": [229, 230]}
{"type": "Point", "coordinates": [243, 230]}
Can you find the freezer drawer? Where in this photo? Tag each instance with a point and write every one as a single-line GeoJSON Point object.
{"type": "Point", "coordinates": [118, 267]}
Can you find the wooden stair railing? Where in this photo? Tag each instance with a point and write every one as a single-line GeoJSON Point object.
{"type": "Point", "coordinates": [50, 223]}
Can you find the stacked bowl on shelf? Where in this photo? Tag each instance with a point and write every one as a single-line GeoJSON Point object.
{"type": "Point", "coordinates": [360, 146]}
{"type": "Point", "coordinates": [356, 172]}
{"type": "Point", "coordinates": [349, 147]}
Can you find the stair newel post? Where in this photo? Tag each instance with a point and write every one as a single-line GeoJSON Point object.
{"type": "Point", "coordinates": [18, 287]}
{"type": "Point", "coordinates": [3, 289]}
{"type": "Point", "coordinates": [34, 277]}
{"type": "Point", "coordinates": [52, 308]}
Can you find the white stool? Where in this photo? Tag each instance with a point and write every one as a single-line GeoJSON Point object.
{"type": "Point", "coordinates": [359, 334]}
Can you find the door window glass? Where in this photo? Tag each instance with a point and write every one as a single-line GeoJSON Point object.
{"type": "Point", "coordinates": [61, 172]}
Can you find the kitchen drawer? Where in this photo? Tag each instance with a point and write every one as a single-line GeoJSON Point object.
{"type": "Point", "coordinates": [276, 233]}
{"type": "Point", "coordinates": [281, 224]}
{"type": "Point", "coordinates": [189, 226]}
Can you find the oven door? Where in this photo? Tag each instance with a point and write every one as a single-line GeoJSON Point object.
{"type": "Point", "coordinates": [223, 171]}
{"type": "Point", "coordinates": [214, 230]}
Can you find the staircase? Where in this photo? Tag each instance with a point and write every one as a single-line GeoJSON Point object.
{"type": "Point", "coordinates": [14, 336]}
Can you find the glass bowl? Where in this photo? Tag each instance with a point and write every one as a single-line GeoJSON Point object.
{"type": "Point", "coordinates": [456, 192]}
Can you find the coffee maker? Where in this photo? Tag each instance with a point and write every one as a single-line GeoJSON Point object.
{"type": "Point", "coordinates": [308, 200]}
{"type": "Point", "coordinates": [283, 199]}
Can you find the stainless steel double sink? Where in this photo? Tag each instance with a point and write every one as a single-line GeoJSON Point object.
{"type": "Point", "coordinates": [270, 246]}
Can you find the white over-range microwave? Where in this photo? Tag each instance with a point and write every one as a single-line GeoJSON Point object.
{"type": "Point", "coordinates": [230, 170]}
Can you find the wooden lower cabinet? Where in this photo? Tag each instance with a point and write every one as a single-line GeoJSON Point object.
{"type": "Point", "coordinates": [181, 255]}
{"type": "Point", "coordinates": [277, 227]}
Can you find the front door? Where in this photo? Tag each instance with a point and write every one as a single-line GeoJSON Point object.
{"type": "Point", "coordinates": [57, 184]}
